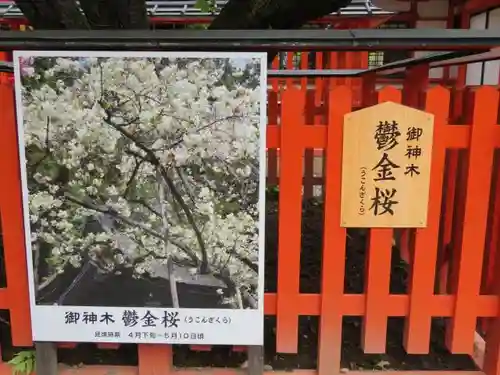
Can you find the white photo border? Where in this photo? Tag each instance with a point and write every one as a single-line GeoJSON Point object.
{"type": "Point", "coordinates": [247, 325]}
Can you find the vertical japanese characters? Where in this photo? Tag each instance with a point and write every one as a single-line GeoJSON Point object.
{"type": "Point", "coordinates": [413, 150]}
{"type": "Point", "coordinates": [385, 198]}
{"type": "Point", "coordinates": [387, 138]}
{"type": "Point", "coordinates": [386, 167]}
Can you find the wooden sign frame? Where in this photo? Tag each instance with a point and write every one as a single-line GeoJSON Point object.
{"type": "Point", "coordinates": [386, 165]}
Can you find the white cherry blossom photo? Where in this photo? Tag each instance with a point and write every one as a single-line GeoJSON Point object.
{"type": "Point", "coordinates": [144, 179]}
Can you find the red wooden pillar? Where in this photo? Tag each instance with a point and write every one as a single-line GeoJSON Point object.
{"type": "Point", "coordinates": [12, 216]}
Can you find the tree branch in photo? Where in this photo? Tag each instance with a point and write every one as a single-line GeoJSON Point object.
{"type": "Point", "coordinates": [128, 186]}
{"type": "Point", "coordinates": [204, 267]}
{"type": "Point", "coordinates": [173, 284]}
{"type": "Point", "coordinates": [48, 280]}
{"type": "Point", "coordinates": [201, 128]}
{"type": "Point", "coordinates": [36, 261]}
{"type": "Point", "coordinates": [151, 158]}
{"type": "Point", "coordinates": [46, 150]}
{"type": "Point", "coordinates": [164, 219]}
{"type": "Point", "coordinates": [130, 222]}
{"type": "Point", "coordinates": [146, 206]}
{"type": "Point", "coordinates": [141, 177]}
{"type": "Point", "coordinates": [83, 271]}
{"type": "Point", "coordinates": [186, 186]}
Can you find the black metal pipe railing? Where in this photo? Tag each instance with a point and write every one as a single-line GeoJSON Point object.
{"type": "Point", "coordinates": [251, 40]}
{"type": "Point", "coordinates": [397, 66]}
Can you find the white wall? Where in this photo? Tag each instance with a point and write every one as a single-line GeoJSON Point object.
{"type": "Point", "coordinates": [438, 8]}
{"type": "Point", "coordinates": [484, 73]}
{"type": "Point", "coordinates": [433, 8]}
{"type": "Point", "coordinates": [392, 5]}
{"type": "Point", "coordinates": [435, 72]}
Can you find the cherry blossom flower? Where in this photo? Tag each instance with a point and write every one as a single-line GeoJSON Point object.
{"type": "Point", "coordinates": [26, 65]}
{"type": "Point", "coordinates": [163, 152]}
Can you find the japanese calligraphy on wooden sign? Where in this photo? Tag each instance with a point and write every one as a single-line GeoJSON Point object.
{"type": "Point", "coordinates": [386, 166]}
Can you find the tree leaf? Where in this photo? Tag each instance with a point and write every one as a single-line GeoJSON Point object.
{"type": "Point", "coordinates": [203, 5]}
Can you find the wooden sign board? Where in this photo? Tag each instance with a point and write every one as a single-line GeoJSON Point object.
{"type": "Point", "coordinates": [386, 167]}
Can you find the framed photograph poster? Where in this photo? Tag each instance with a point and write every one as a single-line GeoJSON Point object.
{"type": "Point", "coordinates": [143, 177]}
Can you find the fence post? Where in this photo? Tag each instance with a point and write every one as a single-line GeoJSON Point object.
{"type": "Point", "coordinates": [415, 83]}
{"type": "Point", "coordinates": [255, 360]}
{"type": "Point", "coordinates": [46, 358]}
{"type": "Point", "coordinates": [272, 154]}
{"type": "Point", "coordinates": [422, 276]}
{"type": "Point", "coordinates": [491, 364]}
{"type": "Point", "coordinates": [11, 212]}
{"type": "Point", "coordinates": [334, 240]}
{"type": "Point", "coordinates": [378, 271]}
{"type": "Point", "coordinates": [290, 216]}
{"type": "Point", "coordinates": [155, 359]}
{"type": "Point", "coordinates": [460, 333]}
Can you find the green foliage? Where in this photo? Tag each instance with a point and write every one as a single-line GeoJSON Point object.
{"type": "Point", "coordinates": [41, 65]}
{"type": "Point", "coordinates": [206, 6]}
{"type": "Point", "coordinates": [23, 363]}
{"type": "Point", "coordinates": [273, 192]}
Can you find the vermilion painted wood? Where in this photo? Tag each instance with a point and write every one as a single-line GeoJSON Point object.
{"type": "Point", "coordinates": [200, 348]}
{"type": "Point", "coordinates": [368, 90]}
{"type": "Point", "coordinates": [447, 218]}
{"type": "Point", "coordinates": [492, 234]}
{"type": "Point", "coordinates": [493, 238]}
{"type": "Point", "coordinates": [422, 276]}
{"type": "Point", "coordinates": [492, 353]}
{"type": "Point", "coordinates": [12, 220]}
{"type": "Point", "coordinates": [155, 359]}
{"type": "Point", "coordinates": [310, 119]}
{"type": "Point", "coordinates": [378, 272]}
{"type": "Point", "coordinates": [456, 136]}
{"type": "Point", "coordinates": [460, 336]}
{"type": "Point", "coordinates": [108, 345]}
{"type": "Point", "coordinates": [396, 305]}
{"type": "Point", "coordinates": [132, 370]}
{"type": "Point", "coordinates": [334, 240]}
{"type": "Point", "coordinates": [457, 223]}
{"type": "Point", "coordinates": [207, 348]}
{"type": "Point", "coordinates": [415, 83]}
{"type": "Point", "coordinates": [463, 112]}
{"type": "Point", "coordinates": [290, 215]}
{"type": "Point", "coordinates": [332, 304]}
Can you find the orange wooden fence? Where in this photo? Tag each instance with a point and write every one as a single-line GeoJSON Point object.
{"type": "Point", "coordinates": [461, 238]}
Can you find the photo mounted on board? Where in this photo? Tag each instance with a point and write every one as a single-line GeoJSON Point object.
{"type": "Point", "coordinates": [143, 182]}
